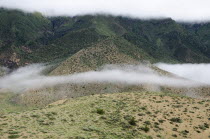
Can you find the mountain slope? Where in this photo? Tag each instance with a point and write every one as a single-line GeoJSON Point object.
{"type": "Point", "coordinates": [124, 115]}
{"type": "Point", "coordinates": [110, 51]}
{"type": "Point", "coordinates": [28, 38]}
{"type": "Point", "coordinates": [19, 34]}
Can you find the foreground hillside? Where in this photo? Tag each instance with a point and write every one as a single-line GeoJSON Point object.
{"type": "Point", "coordinates": [124, 115]}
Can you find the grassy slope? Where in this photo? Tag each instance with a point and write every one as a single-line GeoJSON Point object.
{"type": "Point", "coordinates": [110, 51]}
{"type": "Point", "coordinates": [124, 115]}
{"type": "Point", "coordinates": [7, 106]}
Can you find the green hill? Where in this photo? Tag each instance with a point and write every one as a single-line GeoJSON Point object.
{"type": "Point", "coordinates": [28, 38]}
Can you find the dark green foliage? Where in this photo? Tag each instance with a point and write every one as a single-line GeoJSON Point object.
{"type": "Point", "coordinates": [100, 111]}
{"type": "Point", "coordinates": [174, 129]}
{"type": "Point", "coordinates": [185, 132]}
{"type": "Point", "coordinates": [13, 136]}
{"type": "Point", "coordinates": [18, 28]}
{"type": "Point", "coordinates": [176, 120]}
{"type": "Point", "coordinates": [204, 126]}
{"type": "Point", "coordinates": [145, 128]}
{"type": "Point", "coordinates": [147, 123]}
{"type": "Point", "coordinates": [161, 121]}
{"type": "Point", "coordinates": [13, 132]}
{"type": "Point", "coordinates": [132, 121]}
{"type": "Point", "coordinates": [35, 116]}
{"type": "Point", "coordinates": [174, 135]}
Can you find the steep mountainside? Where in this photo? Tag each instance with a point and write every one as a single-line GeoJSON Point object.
{"type": "Point", "coordinates": [28, 38]}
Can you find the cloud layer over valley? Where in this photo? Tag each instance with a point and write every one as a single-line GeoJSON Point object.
{"type": "Point", "coordinates": [32, 77]}
{"type": "Point", "coordinates": [180, 10]}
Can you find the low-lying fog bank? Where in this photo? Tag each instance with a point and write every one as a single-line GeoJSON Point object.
{"type": "Point", "coordinates": [32, 76]}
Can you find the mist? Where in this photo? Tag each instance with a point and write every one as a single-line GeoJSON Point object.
{"type": "Point", "coordinates": [195, 72]}
{"type": "Point", "coordinates": [32, 77]}
{"type": "Point", "coordinates": [179, 10]}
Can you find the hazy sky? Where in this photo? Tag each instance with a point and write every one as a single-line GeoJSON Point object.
{"type": "Point", "coordinates": [196, 72]}
{"type": "Point", "coordinates": [180, 10]}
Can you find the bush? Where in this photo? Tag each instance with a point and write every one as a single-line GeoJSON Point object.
{"type": "Point", "coordinates": [161, 121]}
{"type": "Point", "coordinates": [174, 135]}
{"type": "Point", "coordinates": [184, 132]}
{"type": "Point", "coordinates": [174, 129]}
{"type": "Point", "coordinates": [100, 111]}
{"type": "Point", "coordinates": [13, 132]}
{"type": "Point", "coordinates": [13, 136]}
{"type": "Point", "coordinates": [176, 120]}
{"type": "Point", "coordinates": [204, 127]}
{"type": "Point", "coordinates": [147, 122]}
{"type": "Point", "coordinates": [132, 121]}
{"type": "Point", "coordinates": [145, 128]}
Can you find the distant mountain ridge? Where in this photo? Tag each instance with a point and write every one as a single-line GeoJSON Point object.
{"type": "Point", "coordinates": [30, 38]}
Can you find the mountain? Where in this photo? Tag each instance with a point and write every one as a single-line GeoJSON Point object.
{"type": "Point", "coordinates": [101, 110]}
{"type": "Point", "coordinates": [83, 43]}
{"type": "Point", "coordinates": [32, 38]}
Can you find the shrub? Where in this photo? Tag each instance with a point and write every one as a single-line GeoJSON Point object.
{"type": "Point", "coordinates": [184, 132]}
{"type": "Point", "coordinates": [35, 116]}
{"type": "Point", "coordinates": [174, 129]}
{"type": "Point", "coordinates": [13, 136]}
{"type": "Point", "coordinates": [176, 120]}
{"type": "Point", "coordinates": [147, 122]}
{"type": "Point", "coordinates": [145, 128]}
{"type": "Point", "coordinates": [100, 111]}
{"type": "Point", "coordinates": [204, 126]}
{"type": "Point", "coordinates": [174, 135]}
{"type": "Point", "coordinates": [132, 121]}
{"type": "Point", "coordinates": [13, 132]}
{"type": "Point", "coordinates": [161, 121]}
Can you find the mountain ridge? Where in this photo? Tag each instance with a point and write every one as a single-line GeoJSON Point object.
{"type": "Point", "coordinates": [57, 38]}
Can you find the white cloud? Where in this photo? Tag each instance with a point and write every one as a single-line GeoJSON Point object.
{"type": "Point", "coordinates": [31, 77]}
{"type": "Point", "coordinates": [180, 10]}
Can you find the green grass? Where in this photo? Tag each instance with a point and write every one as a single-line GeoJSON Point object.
{"type": "Point", "coordinates": [7, 106]}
